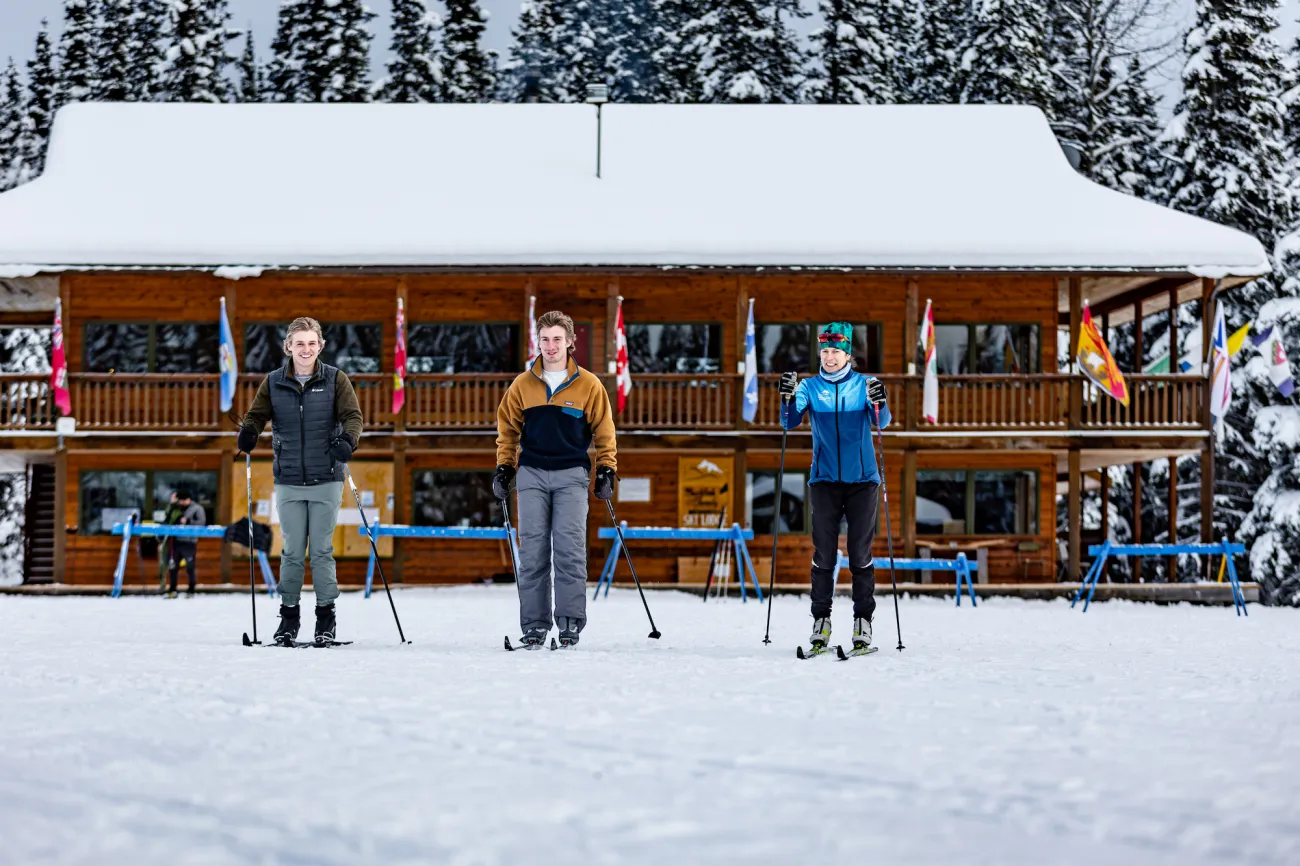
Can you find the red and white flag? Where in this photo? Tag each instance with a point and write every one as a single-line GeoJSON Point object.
{"type": "Point", "coordinates": [624, 375]}
{"type": "Point", "coordinates": [930, 384]}
{"type": "Point", "coordinates": [59, 364]}
{"type": "Point", "coordinates": [533, 342]}
{"type": "Point", "coordinates": [399, 361]}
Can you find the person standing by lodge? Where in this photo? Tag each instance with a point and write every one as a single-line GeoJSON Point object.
{"type": "Point", "coordinates": [185, 512]}
{"type": "Point", "coordinates": [545, 424]}
{"type": "Point", "coordinates": [841, 405]}
{"type": "Point", "coordinates": [315, 426]}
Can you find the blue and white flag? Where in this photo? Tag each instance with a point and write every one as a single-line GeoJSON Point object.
{"type": "Point", "coordinates": [751, 369]}
{"type": "Point", "coordinates": [226, 362]}
{"type": "Point", "coordinates": [1269, 344]}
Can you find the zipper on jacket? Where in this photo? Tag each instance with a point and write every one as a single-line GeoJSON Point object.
{"type": "Point", "coordinates": [302, 438]}
{"type": "Point", "coordinates": [839, 462]}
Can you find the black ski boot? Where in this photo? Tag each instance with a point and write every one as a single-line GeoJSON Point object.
{"type": "Point", "coordinates": [289, 625]}
{"type": "Point", "coordinates": [568, 631]}
{"type": "Point", "coordinates": [325, 624]}
{"type": "Point", "coordinates": [533, 639]}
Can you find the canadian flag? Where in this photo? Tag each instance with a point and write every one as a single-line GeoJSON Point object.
{"type": "Point", "coordinates": [59, 364]}
{"type": "Point", "coordinates": [624, 376]}
{"type": "Point", "coordinates": [533, 349]}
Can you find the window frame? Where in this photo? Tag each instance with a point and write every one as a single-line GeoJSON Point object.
{"type": "Point", "coordinates": [814, 353]}
{"type": "Point", "coordinates": [521, 342]}
{"type": "Point", "coordinates": [149, 506]}
{"type": "Point", "coordinates": [151, 344]}
{"type": "Point", "coordinates": [722, 331]}
{"type": "Point", "coordinates": [968, 492]}
{"type": "Point", "coordinates": [972, 349]}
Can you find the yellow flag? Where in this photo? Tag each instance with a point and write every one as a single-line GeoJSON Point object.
{"type": "Point", "coordinates": [1095, 360]}
{"type": "Point", "coordinates": [1238, 339]}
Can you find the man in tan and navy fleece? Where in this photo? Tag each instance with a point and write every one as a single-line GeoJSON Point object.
{"type": "Point", "coordinates": [545, 424]}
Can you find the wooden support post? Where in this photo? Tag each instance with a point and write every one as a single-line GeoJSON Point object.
{"type": "Point", "coordinates": [909, 504]}
{"type": "Point", "coordinates": [1207, 447]}
{"type": "Point", "coordinates": [1105, 511]}
{"type": "Point", "coordinates": [1135, 562]}
{"type": "Point", "coordinates": [1172, 567]}
{"type": "Point", "coordinates": [1074, 510]}
{"type": "Point", "coordinates": [60, 511]}
{"type": "Point", "coordinates": [1076, 381]}
{"type": "Point", "coordinates": [1138, 351]}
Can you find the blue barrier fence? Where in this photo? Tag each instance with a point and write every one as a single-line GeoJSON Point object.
{"type": "Point", "coordinates": [167, 530]}
{"type": "Point", "coordinates": [394, 530]}
{"type": "Point", "coordinates": [960, 565]}
{"type": "Point", "coordinates": [1106, 549]}
{"type": "Point", "coordinates": [745, 566]}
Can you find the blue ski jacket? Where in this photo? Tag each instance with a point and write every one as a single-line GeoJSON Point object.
{"type": "Point", "coordinates": [841, 417]}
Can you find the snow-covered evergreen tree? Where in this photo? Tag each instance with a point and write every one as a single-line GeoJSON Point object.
{"type": "Point", "coordinates": [1004, 59]}
{"type": "Point", "coordinates": [745, 57]}
{"type": "Point", "coordinates": [42, 99]}
{"type": "Point", "coordinates": [533, 72]}
{"type": "Point", "coordinates": [13, 110]}
{"type": "Point", "coordinates": [1135, 163]}
{"type": "Point", "coordinates": [250, 86]}
{"type": "Point", "coordinates": [677, 55]}
{"type": "Point", "coordinates": [148, 19]}
{"type": "Point", "coordinates": [114, 52]}
{"type": "Point", "coordinates": [469, 71]}
{"type": "Point", "coordinates": [415, 72]}
{"type": "Point", "coordinates": [943, 32]}
{"type": "Point", "coordinates": [332, 49]}
{"type": "Point", "coordinates": [851, 53]}
{"type": "Point", "coordinates": [78, 65]}
{"type": "Point", "coordinates": [787, 56]}
{"type": "Point", "coordinates": [284, 73]}
{"type": "Point", "coordinates": [1229, 166]}
{"type": "Point", "coordinates": [584, 42]}
{"type": "Point", "coordinates": [636, 41]}
{"type": "Point", "coordinates": [195, 56]}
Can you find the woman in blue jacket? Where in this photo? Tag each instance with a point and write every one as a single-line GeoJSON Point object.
{"type": "Point", "coordinates": [841, 406]}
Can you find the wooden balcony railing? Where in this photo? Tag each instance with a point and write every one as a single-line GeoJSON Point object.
{"type": "Point", "coordinates": [134, 402]}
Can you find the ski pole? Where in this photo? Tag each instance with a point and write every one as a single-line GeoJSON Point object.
{"type": "Point", "coordinates": [776, 521]}
{"type": "Point", "coordinates": [252, 553]}
{"type": "Point", "coordinates": [375, 550]}
{"type": "Point", "coordinates": [654, 632]}
{"type": "Point", "coordinates": [510, 541]}
{"type": "Point", "coordinates": [717, 549]}
{"type": "Point", "coordinates": [889, 531]}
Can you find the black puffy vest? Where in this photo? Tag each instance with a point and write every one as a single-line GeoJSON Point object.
{"type": "Point", "coordinates": [302, 425]}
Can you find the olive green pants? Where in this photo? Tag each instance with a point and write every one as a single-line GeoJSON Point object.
{"type": "Point", "coordinates": [307, 518]}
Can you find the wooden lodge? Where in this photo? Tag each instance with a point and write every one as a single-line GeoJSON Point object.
{"type": "Point", "coordinates": [140, 259]}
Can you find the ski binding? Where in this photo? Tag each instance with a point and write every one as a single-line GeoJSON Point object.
{"type": "Point", "coordinates": [858, 650]}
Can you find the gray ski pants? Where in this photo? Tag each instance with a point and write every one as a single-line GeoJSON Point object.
{"type": "Point", "coordinates": [552, 530]}
{"type": "Point", "coordinates": [307, 517]}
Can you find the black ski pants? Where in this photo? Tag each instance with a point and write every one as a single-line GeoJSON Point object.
{"type": "Point", "coordinates": [831, 501]}
{"type": "Point", "coordinates": [186, 550]}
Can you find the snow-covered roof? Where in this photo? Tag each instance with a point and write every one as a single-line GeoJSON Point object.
{"type": "Point", "coordinates": [428, 185]}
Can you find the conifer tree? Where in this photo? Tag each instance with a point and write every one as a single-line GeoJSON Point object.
{"type": "Point", "coordinates": [677, 54]}
{"type": "Point", "coordinates": [852, 55]}
{"type": "Point", "coordinates": [42, 99]}
{"type": "Point", "coordinates": [195, 57]}
{"type": "Point", "coordinates": [583, 42]}
{"type": "Point", "coordinates": [415, 72]}
{"type": "Point", "coordinates": [147, 20]}
{"type": "Point", "coordinates": [12, 112]}
{"type": "Point", "coordinates": [331, 50]}
{"type": "Point", "coordinates": [636, 38]}
{"type": "Point", "coordinates": [787, 57]}
{"type": "Point", "coordinates": [534, 69]}
{"type": "Point", "coordinates": [1134, 163]}
{"type": "Point", "coordinates": [468, 71]}
{"type": "Point", "coordinates": [943, 32]}
{"type": "Point", "coordinates": [250, 86]}
{"type": "Point", "coordinates": [284, 73]}
{"type": "Point", "coordinates": [741, 53]}
{"type": "Point", "coordinates": [1004, 60]}
{"type": "Point", "coordinates": [114, 52]}
{"type": "Point", "coordinates": [78, 65]}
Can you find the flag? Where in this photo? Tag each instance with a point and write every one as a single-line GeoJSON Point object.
{"type": "Point", "coordinates": [399, 361]}
{"type": "Point", "coordinates": [1269, 344]}
{"type": "Point", "coordinates": [59, 364]}
{"type": "Point", "coordinates": [1220, 369]}
{"type": "Point", "coordinates": [930, 390]}
{"type": "Point", "coordinates": [624, 376]}
{"type": "Point", "coordinates": [533, 342]}
{"type": "Point", "coordinates": [226, 362]}
{"type": "Point", "coordinates": [751, 369]}
{"type": "Point", "coordinates": [1238, 339]}
{"type": "Point", "coordinates": [1095, 360]}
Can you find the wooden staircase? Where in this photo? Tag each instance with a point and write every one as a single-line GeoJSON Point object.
{"type": "Point", "coordinates": [38, 547]}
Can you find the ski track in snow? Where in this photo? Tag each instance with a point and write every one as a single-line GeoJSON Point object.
{"type": "Point", "coordinates": [140, 731]}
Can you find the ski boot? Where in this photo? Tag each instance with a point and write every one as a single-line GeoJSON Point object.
{"type": "Point", "coordinates": [325, 624]}
{"type": "Point", "coordinates": [861, 633]}
{"type": "Point", "coordinates": [568, 631]}
{"type": "Point", "coordinates": [289, 625]}
{"type": "Point", "coordinates": [821, 634]}
{"type": "Point", "coordinates": [533, 639]}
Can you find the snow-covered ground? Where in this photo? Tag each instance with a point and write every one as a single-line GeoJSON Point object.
{"type": "Point", "coordinates": [139, 731]}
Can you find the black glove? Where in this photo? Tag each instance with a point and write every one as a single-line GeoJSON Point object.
{"type": "Point", "coordinates": [247, 440]}
{"type": "Point", "coordinates": [341, 448]}
{"type": "Point", "coordinates": [501, 481]}
{"type": "Point", "coordinates": [605, 482]}
{"type": "Point", "coordinates": [789, 381]}
{"type": "Point", "coordinates": [876, 392]}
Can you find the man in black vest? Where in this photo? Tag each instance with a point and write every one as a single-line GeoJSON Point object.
{"type": "Point", "coordinates": [315, 426]}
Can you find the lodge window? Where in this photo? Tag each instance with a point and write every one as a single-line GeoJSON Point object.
{"type": "Point", "coordinates": [352, 347]}
{"type": "Point", "coordinates": [977, 502]}
{"type": "Point", "coordinates": [453, 499]}
{"type": "Point", "coordinates": [150, 347]}
{"type": "Point", "coordinates": [437, 347]}
{"type": "Point", "coordinates": [680, 348]}
{"type": "Point", "coordinates": [25, 349]}
{"type": "Point", "coordinates": [111, 496]}
{"type": "Point", "coordinates": [793, 346]}
{"type": "Point", "coordinates": [985, 349]}
{"type": "Point", "coordinates": [760, 485]}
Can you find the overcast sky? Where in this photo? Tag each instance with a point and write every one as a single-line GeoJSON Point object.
{"type": "Point", "coordinates": [20, 20]}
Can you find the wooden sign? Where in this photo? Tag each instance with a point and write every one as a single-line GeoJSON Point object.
{"type": "Point", "coordinates": [704, 487]}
